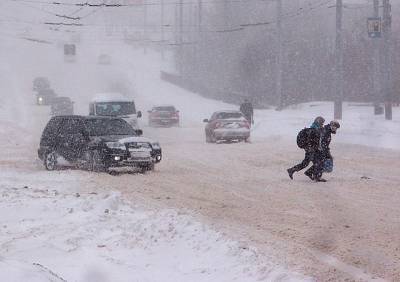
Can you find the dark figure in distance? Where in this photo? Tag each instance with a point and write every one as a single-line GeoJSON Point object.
{"type": "Point", "coordinates": [311, 149]}
{"type": "Point", "coordinates": [324, 152]}
{"type": "Point", "coordinates": [247, 110]}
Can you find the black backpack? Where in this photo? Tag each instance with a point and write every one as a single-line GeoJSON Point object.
{"type": "Point", "coordinates": [303, 138]}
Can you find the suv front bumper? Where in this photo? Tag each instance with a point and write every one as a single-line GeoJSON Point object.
{"type": "Point", "coordinates": [116, 158]}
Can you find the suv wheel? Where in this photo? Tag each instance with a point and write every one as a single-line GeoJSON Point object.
{"type": "Point", "coordinates": [95, 162]}
{"type": "Point", "coordinates": [145, 168]}
{"type": "Point", "coordinates": [50, 161]}
{"type": "Point", "coordinates": [150, 167]}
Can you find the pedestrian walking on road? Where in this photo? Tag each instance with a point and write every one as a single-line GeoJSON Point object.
{"type": "Point", "coordinates": [323, 158]}
{"type": "Point", "coordinates": [247, 110]}
{"type": "Point", "coordinates": [309, 140]}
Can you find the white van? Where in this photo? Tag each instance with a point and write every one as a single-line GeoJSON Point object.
{"type": "Point", "coordinates": [115, 105]}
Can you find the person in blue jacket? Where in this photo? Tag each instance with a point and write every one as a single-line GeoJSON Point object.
{"type": "Point", "coordinates": [311, 149]}
{"type": "Point", "coordinates": [324, 152]}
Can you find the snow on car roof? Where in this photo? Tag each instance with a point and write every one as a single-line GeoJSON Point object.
{"type": "Point", "coordinates": [110, 97]}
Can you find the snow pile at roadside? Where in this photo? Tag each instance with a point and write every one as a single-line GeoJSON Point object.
{"type": "Point", "coordinates": [52, 235]}
{"type": "Point", "coordinates": [359, 125]}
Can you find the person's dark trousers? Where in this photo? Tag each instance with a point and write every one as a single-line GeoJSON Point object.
{"type": "Point", "coordinates": [309, 157]}
{"type": "Point", "coordinates": [318, 165]}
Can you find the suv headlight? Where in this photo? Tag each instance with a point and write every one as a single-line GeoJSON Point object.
{"type": "Point", "coordinates": [116, 145]}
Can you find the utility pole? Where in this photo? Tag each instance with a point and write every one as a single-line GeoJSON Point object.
{"type": "Point", "coordinates": [387, 82]}
{"type": "Point", "coordinates": [181, 38]}
{"type": "Point", "coordinates": [338, 101]}
{"type": "Point", "coordinates": [376, 62]}
{"type": "Point", "coordinates": [144, 26]}
{"type": "Point", "coordinates": [279, 65]}
{"type": "Point", "coordinates": [162, 31]}
{"type": "Point", "coordinates": [199, 16]}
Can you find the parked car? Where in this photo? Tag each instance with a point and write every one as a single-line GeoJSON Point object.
{"type": "Point", "coordinates": [228, 126]}
{"type": "Point", "coordinates": [115, 105]}
{"type": "Point", "coordinates": [166, 115]}
{"type": "Point", "coordinates": [41, 83]}
{"type": "Point", "coordinates": [62, 106]}
{"type": "Point", "coordinates": [104, 59]}
{"type": "Point", "coordinates": [45, 96]}
{"type": "Point", "coordinates": [96, 143]}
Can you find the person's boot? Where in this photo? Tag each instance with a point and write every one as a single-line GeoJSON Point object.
{"type": "Point", "coordinates": [309, 174]}
{"type": "Point", "coordinates": [320, 180]}
{"type": "Point", "coordinates": [290, 171]}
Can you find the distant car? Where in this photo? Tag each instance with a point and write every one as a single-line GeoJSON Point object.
{"type": "Point", "coordinates": [96, 143]}
{"type": "Point", "coordinates": [69, 53]}
{"type": "Point", "coordinates": [62, 106]}
{"type": "Point", "coordinates": [166, 115]}
{"type": "Point", "coordinates": [115, 105]}
{"type": "Point", "coordinates": [227, 126]}
{"type": "Point", "coordinates": [41, 83]}
{"type": "Point", "coordinates": [104, 59]}
{"type": "Point", "coordinates": [45, 96]}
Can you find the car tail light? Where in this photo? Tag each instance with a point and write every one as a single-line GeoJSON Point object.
{"type": "Point", "coordinates": [176, 114]}
{"type": "Point", "coordinates": [245, 124]}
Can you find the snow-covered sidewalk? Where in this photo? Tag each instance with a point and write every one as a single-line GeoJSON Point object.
{"type": "Point", "coordinates": [61, 235]}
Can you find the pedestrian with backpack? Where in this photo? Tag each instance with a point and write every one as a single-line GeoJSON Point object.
{"type": "Point", "coordinates": [309, 140]}
{"type": "Point", "coordinates": [323, 158]}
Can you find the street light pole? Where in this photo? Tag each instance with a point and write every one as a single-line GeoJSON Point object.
{"type": "Point", "coordinates": [162, 31]}
{"type": "Point", "coordinates": [279, 66]}
{"type": "Point", "coordinates": [376, 67]}
{"type": "Point", "coordinates": [338, 101]}
{"type": "Point", "coordinates": [387, 83]}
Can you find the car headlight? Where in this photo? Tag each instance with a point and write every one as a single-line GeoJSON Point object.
{"type": "Point", "coordinates": [40, 98]}
{"type": "Point", "coordinates": [116, 145]}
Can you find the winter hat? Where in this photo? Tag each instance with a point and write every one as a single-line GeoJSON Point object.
{"type": "Point", "coordinates": [319, 120]}
{"type": "Point", "coordinates": [334, 125]}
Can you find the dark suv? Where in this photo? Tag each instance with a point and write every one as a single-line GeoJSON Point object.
{"type": "Point", "coordinates": [96, 143]}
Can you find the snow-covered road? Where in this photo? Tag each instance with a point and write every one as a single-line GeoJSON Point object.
{"type": "Point", "coordinates": [209, 212]}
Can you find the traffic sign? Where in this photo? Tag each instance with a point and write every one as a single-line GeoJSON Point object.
{"type": "Point", "coordinates": [374, 26]}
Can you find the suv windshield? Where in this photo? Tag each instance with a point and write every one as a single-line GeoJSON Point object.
{"type": "Point", "coordinates": [229, 115]}
{"type": "Point", "coordinates": [115, 108]}
{"type": "Point", "coordinates": [103, 127]}
{"type": "Point", "coordinates": [164, 109]}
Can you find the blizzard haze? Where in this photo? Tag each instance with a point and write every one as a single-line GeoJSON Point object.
{"type": "Point", "coordinates": [223, 211]}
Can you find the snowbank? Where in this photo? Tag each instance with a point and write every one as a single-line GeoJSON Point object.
{"type": "Point", "coordinates": [58, 235]}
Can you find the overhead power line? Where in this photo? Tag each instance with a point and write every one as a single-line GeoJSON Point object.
{"type": "Point", "coordinates": [292, 14]}
{"type": "Point", "coordinates": [61, 23]}
{"type": "Point", "coordinates": [118, 5]}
